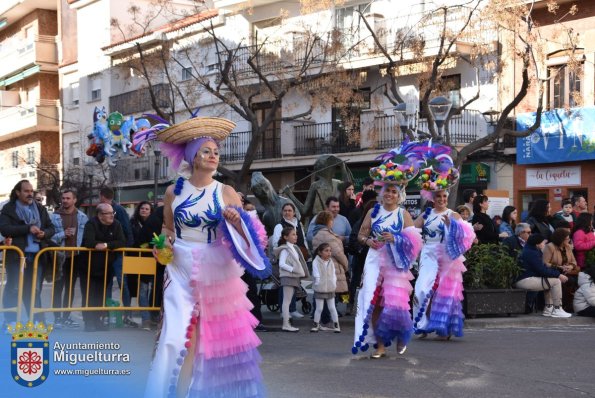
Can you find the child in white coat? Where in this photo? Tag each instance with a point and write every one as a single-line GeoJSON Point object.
{"type": "Point", "coordinates": [584, 297]}
{"type": "Point", "coordinates": [325, 284]}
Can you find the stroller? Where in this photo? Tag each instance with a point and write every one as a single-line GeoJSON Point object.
{"type": "Point", "coordinates": [269, 295]}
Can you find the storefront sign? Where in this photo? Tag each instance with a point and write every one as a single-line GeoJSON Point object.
{"type": "Point", "coordinates": [553, 177]}
{"type": "Point", "coordinates": [474, 173]}
{"type": "Point", "coordinates": [563, 136]}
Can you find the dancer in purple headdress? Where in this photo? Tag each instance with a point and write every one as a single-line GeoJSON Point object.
{"type": "Point", "coordinates": [439, 285]}
{"type": "Point", "coordinates": [207, 346]}
{"type": "Point", "coordinates": [383, 302]}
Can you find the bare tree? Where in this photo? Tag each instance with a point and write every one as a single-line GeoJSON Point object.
{"type": "Point", "coordinates": [243, 74]}
{"type": "Point", "coordinates": [466, 25]}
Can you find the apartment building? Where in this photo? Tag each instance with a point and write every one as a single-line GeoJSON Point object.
{"type": "Point", "coordinates": [557, 161]}
{"type": "Point", "coordinates": [101, 76]}
{"type": "Point", "coordinates": [29, 94]}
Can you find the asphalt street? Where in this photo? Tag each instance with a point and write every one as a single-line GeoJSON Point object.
{"type": "Point", "coordinates": [541, 358]}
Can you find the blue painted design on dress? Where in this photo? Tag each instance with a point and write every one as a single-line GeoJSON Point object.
{"type": "Point", "coordinates": [184, 217]}
{"type": "Point", "coordinates": [377, 225]}
{"type": "Point", "coordinates": [212, 217]}
{"type": "Point", "coordinates": [432, 233]}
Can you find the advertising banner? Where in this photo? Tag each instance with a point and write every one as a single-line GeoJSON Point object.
{"type": "Point", "coordinates": [563, 136]}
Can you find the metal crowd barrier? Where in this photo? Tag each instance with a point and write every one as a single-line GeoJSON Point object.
{"type": "Point", "coordinates": [3, 280]}
{"type": "Point", "coordinates": [135, 264]}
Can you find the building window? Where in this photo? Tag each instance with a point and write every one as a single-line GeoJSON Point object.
{"type": "Point", "coordinates": [95, 88]}
{"type": "Point", "coordinates": [76, 161]}
{"type": "Point", "coordinates": [30, 155]}
{"type": "Point", "coordinates": [186, 74]}
{"type": "Point", "coordinates": [74, 94]}
{"type": "Point", "coordinates": [15, 159]}
{"type": "Point", "coordinates": [565, 86]}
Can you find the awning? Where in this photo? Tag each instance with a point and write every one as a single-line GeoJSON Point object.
{"type": "Point", "coordinates": [20, 76]}
{"type": "Point", "coordinates": [474, 173]}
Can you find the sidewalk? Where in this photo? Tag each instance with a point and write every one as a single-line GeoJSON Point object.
{"type": "Point", "coordinates": [535, 320]}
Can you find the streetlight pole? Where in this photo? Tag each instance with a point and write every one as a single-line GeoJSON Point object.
{"type": "Point", "coordinates": [157, 154]}
{"type": "Point", "coordinates": [440, 108]}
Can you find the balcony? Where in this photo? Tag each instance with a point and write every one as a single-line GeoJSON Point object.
{"type": "Point", "coordinates": [322, 138]}
{"type": "Point", "coordinates": [28, 118]}
{"type": "Point", "coordinates": [464, 129]}
{"type": "Point", "coordinates": [138, 101]}
{"type": "Point", "coordinates": [17, 55]}
{"type": "Point", "coordinates": [235, 147]}
{"type": "Point", "coordinates": [140, 170]}
{"type": "Point", "coordinates": [409, 36]}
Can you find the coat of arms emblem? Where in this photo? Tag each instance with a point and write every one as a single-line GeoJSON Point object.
{"type": "Point", "coordinates": [30, 353]}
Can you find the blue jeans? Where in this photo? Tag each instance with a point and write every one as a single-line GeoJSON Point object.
{"type": "Point", "coordinates": [11, 289]}
{"type": "Point", "coordinates": [145, 298]}
{"type": "Point", "coordinates": [122, 281]}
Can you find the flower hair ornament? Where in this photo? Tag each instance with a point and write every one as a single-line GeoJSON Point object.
{"type": "Point", "coordinates": [399, 165]}
{"type": "Point", "coordinates": [440, 173]}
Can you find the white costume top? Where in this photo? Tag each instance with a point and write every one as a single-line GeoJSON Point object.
{"type": "Point", "coordinates": [196, 212]}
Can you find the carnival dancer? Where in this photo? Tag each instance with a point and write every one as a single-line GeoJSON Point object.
{"type": "Point", "coordinates": [439, 285]}
{"type": "Point", "coordinates": [207, 346]}
{"type": "Point", "coordinates": [383, 301]}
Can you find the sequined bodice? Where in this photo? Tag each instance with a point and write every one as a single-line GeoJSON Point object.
{"type": "Point", "coordinates": [387, 221]}
{"type": "Point", "coordinates": [197, 212]}
{"type": "Point", "coordinates": [433, 229]}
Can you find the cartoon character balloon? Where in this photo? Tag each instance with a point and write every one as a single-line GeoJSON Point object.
{"type": "Point", "coordinates": [112, 136]}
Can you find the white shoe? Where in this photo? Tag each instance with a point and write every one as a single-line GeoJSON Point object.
{"type": "Point", "coordinates": [558, 312]}
{"type": "Point", "coordinates": [296, 314]}
{"type": "Point", "coordinates": [288, 328]}
{"type": "Point", "coordinates": [547, 311]}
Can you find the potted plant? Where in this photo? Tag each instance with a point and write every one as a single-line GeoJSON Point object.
{"type": "Point", "coordinates": [488, 282]}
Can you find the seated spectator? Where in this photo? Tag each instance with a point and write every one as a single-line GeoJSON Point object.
{"type": "Point", "coordinates": [558, 254]}
{"type": "Point", "coordinates": [539, 218]}
{"type": "Point", "coordinates": [535, 276]}
{"type": "Point", "coordinates": [584, 297]}
{"type": "Point", "coordinates": [101, 233]}
{"type": "Point", "coordinates": [508, 223]}
{"type": "Point", "coordinates": [583, 237]}
{"type": "Point", "coordinates": [515, 243]}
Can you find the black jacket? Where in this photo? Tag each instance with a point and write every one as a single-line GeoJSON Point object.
{"type": "Point", "coordinates": [538, 227]}
{"type": "Point", "coordinates": [12, 226]}
{"type": "Point", "coordinates": [488, 234]}
{"type": "Point", "coordinates": [96, 232]}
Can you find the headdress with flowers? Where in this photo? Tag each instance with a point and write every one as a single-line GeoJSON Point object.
{"type": "Point", "coordinates": [439, 173]}
{"type": "Point", "coordinates": [399, 165]}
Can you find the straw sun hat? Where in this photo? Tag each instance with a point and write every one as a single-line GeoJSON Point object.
{"type": "Point", "coordinates": [197, 127]}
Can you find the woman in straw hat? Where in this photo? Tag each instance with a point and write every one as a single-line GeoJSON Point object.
{"type": "Point", "coordinates": [439, 285]}
{"type": "Point", "coordinates": [207, 345]}
{"type": "Point", "coordinates": [383, 301]}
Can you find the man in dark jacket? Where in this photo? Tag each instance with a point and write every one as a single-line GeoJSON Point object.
{"type": "Point", "coordinates": [515, 243]}
{"type": "Point", "coordinates": [102, 233]}
{"type": "Point", "coordinates": [28, 224]}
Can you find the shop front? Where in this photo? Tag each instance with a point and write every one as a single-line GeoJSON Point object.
{"type": "Point", "coordinates": [557, 161]}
